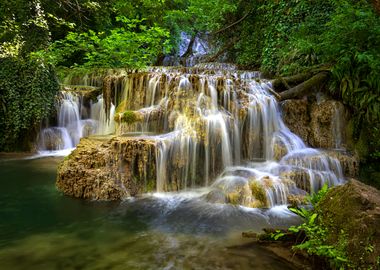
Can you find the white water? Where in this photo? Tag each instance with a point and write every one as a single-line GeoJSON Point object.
{"type": "Point", "coordinates": [73, 123]}
{"type": "Point", "coordinates": [217, 120]}
{"type": "Point", "coordinates": [215, 127]}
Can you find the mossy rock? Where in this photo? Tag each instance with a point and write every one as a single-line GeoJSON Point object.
{"type": "Point", "coordinates": [362, 146]}
{"type": "Point", "coordinates": [128, 117]}
{"type": "Point", "coordinates": [259, 192]}
{"type": "Point", "coordinates": [351, 216]}
{"type": "Point", "coordinates": [121, 107]}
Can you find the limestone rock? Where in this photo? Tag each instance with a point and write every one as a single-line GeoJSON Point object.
{"type": "Point", "coordinates": [323, 133]}
{"type": "Point", "coordinates": [297, 200]}
{"type": "Point", "coordinates": [296, 117]}
{"type": "Point", "coordinates": [348, 161]}
{"type": "Point", "coordinates": [351, 214]}
{"type": "Point", "coordinates": [279, 150]}
{"type": "Point", "coordinates": [108, 168]}
{"type": "Point", "coordinates": [319, 124]}
{"type": "Point", "coordinates": [216, 196]}
{"type": "Point", "coordinates": [300, 177]}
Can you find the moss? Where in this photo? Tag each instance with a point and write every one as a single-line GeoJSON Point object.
{"type": "Point", "coordinates": [151, 185]}
{"type": "Point", "coordinates": [233, 198]}
{"type": "Point", "coordinates": [128, 117]}
{"type": "Point", "coordinates": [350, 216]}
{"type": "Point", "coordinates": [258, 191]}
{"type": "Point", "coordinates": [121, 107]}
{"type": "Point", "coordinates": [361, 146]}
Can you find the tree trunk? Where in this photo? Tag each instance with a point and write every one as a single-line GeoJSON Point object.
{"type": "Point", "coordinates": [233, 24]}
{"type": "Point", "coordinates": [376, 5]}
{"type": "Point", "coordinates": [314, 83]}
{"type": "Point", "coordinates": [285, 83]}
{"type": "Point", "coordinates": [189, 50]}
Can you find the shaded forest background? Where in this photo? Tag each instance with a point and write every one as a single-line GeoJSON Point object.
{"type": "Point", "coordinates": [280, 38]}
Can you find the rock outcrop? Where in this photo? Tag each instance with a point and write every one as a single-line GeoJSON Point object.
{"type": "Point", "coordinates": [296, 117]}
{"type": "Point", "coordinates": [319, 124]}
{"type": "Point", "coordinates": [108, 168]}
{"type": "Point", "coordinates": [351, 214]}
{"type": "Point", "coordinates": [322, 125]}
{"type": "Point", "coordinates": [348, 161]}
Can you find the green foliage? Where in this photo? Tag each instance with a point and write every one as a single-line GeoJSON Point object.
{"type": "Point", "coordinates": [129, 117]}
{"type": "Point", "coordinates": [355, 32]}
{"type": "Point", "coordinates": [316, 235]}
{"type": "Point", "coordinates": [316, 197]}
{"type": "Point", "coordinates": [27, 94]}
{"type": "Point", "coordinates": [132, 45]}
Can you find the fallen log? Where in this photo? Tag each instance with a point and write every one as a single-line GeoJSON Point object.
{"type": "Point", "coordinates": [280, 84]}
{"type": "Point", "coordinates": [285, 82]}
{"type": "Point", "coordinates": [315, 82]}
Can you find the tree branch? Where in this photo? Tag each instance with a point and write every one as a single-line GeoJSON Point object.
{"type": "Point", "coordinates": [233, 24]}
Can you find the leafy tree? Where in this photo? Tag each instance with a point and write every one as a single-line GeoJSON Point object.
{"type": "Point", "coordinates": [131, 45]}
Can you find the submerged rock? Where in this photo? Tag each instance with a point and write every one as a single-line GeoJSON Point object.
{"type": "Point", "coordinates": [351, 216]}
{"type": "Point", "coordinates": [108, 168]}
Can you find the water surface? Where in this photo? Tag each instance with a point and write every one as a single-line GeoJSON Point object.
{"type": "Point", "coordinates": [42, 229]}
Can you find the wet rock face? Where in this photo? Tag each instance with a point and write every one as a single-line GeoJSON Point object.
{"type": "Point", "coordinates": [351, 214]}
{"type": "Point", "coordinates": [319, 124]}
{"type": "Point", "coordinates": [349, 162]}
{"type": "Point", "coordinates": [108, 168]}
{"type": "Point", "coordinates": [296, 117]}
{"type": "Point", "coordinates": [322, 124]}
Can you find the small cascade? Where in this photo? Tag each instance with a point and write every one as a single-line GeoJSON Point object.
{"type": "Point", "coordinates": [104, 125]}
{"type": "Point", "coordinates": [74, 121]}
{"type": "Point", "coordinates": [192, 50]}
{"type": "Point", "coordinates": [221, 128]}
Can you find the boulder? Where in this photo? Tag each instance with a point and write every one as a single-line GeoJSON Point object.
{"type": "Point", "coordinates": [351, 216]}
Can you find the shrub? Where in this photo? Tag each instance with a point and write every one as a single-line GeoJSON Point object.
{"type": "Point", "coordinates": [27, 96]}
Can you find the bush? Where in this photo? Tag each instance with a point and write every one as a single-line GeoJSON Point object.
{"type": "Point", "coordinates": [27, 96]}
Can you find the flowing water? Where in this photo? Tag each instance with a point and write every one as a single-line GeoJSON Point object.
{"type": "Point", "coordinates": [221, 128]}
{"type": "Point", "coordinates": [42, 229]}
{"type": "Point", "coordinates": [225, 162]}
{"type": "Point", "coordinates": [75, 121]}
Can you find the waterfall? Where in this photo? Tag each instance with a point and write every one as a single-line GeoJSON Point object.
{"type": "Point", "coordinates": [222, 129]}
{"type": "Point", "coordinates": [73, 122]}
{"type": "Point", "coordinates": [212, 127]}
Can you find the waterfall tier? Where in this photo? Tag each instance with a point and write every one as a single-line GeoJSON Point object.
{"type": "Point", "coordinates": [203, 127]}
